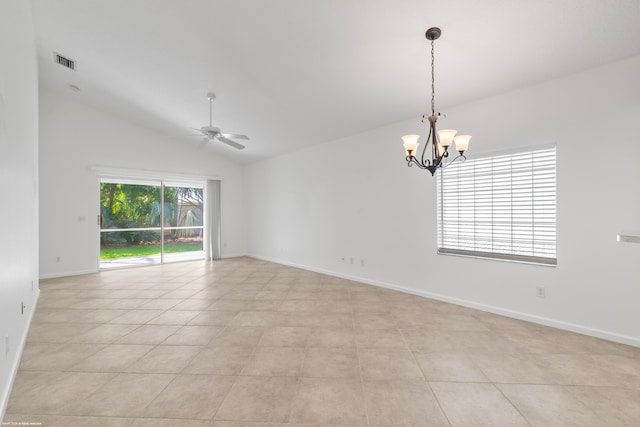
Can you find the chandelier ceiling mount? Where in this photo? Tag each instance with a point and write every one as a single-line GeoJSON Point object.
{"type": "Point", "coordinates": [433, 33]}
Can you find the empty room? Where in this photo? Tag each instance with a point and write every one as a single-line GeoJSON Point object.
{"type": "Point", "coordinates": [320, 213]}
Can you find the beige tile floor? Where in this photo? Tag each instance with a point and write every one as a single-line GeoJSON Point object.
{"type": "Point", "coordinates": [242, 342]}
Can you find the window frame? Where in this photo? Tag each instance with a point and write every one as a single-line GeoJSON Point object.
{"type": "Point", "coordinates": [543, 241]}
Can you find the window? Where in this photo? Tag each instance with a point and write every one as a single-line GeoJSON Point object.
{"type": "Point", "coordinates": [501, 206]}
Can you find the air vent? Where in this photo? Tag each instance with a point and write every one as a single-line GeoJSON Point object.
{"type": "Point", "coordinates": [65, 62]}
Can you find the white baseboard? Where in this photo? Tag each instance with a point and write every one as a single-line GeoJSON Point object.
{"type": "Point", "coordinates": [225, 256]}
{"type": "Point", "coordinates": [581, 329]}
{"type": "Point", "coordinates": [67, 274]}
{"type": "Point", "coordinates": [4, 399]}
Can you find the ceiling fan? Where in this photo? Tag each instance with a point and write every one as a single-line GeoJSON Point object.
{"type": "Point", "coordinates": [213, 133]}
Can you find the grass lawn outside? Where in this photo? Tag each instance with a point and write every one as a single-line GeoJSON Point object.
{"type": "Point", "coordinates": [144, 250]}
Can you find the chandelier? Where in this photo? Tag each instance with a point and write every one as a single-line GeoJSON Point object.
{"type": "Point", "coordinates": [440, 140]}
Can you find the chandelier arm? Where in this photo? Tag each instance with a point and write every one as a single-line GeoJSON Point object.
{"type": "Point", "coordinates": [434, 144]}
{"type": "Point", "coordinates": [434, 140]}
{"type": "Point", "coordinates": [411, 161]}
{"type": "Point", "coordinates": [424, 149]}
{"type": "Point", "coordinates": [460, 157]}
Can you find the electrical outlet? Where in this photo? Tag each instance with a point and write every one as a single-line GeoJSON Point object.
{"type": "Point", "coordinates": [351, 260]}
{"type": "Point", "coordinates": [541, 292]}
{"type": "Point", "coordinates": [343, 258]}
{"type": "Point", "coordinates": [6, 344]}
{"type": "Point", "coordinates": [58, 258]}
{"type": "Point", "coordinates": [22, 307]}
{"type": "Point", "coordinates": [361, 263]}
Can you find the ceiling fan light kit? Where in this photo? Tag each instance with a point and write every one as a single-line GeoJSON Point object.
{"type": "Point", "coordinates": [214, 133]}
{"type": "Point", "coordinates": [440, 140]}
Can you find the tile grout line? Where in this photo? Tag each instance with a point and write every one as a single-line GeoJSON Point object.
{"type": "Point", "coordinates": [299, 377]}
{"type": "Point", "coordinates": [355, 342]}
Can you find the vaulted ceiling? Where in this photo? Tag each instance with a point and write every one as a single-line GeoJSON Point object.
{"type": "Point", "coordinates": [291, 73]}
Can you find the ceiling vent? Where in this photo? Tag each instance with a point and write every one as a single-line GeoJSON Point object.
{"type": "Point", "coordinates": [65, 62]}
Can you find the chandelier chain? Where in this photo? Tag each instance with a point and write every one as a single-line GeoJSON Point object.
{"type": "Point", "coordinates": [433, 82]}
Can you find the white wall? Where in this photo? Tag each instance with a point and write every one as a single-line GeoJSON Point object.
{"type": "Point", "coordinates": [356, 197]}
{"type": "Point", "coordinates": [19, 175]}
{"type": "Point", "coordinates": [75, 137]}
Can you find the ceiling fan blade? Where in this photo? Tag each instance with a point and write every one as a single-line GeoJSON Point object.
{"type": "Point", "coordinates": [230, 142]}
{"type": "Point", "coordinates": [203, 143]}
{"type": "Point", "coordinates": [235, 136]}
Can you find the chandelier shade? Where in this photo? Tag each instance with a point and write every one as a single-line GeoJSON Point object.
{"type": "Point", "coordinates": [410, 144]}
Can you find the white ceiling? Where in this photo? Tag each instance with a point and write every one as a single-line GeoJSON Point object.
{"type": "Point", "coordinates": [291, 73]}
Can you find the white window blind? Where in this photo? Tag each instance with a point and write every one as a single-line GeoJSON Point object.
{"type": "Point", "coordinates": [501, 206]}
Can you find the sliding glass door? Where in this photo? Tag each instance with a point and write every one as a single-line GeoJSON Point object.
{"type": "Point", "coordinates": [149, 222]}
